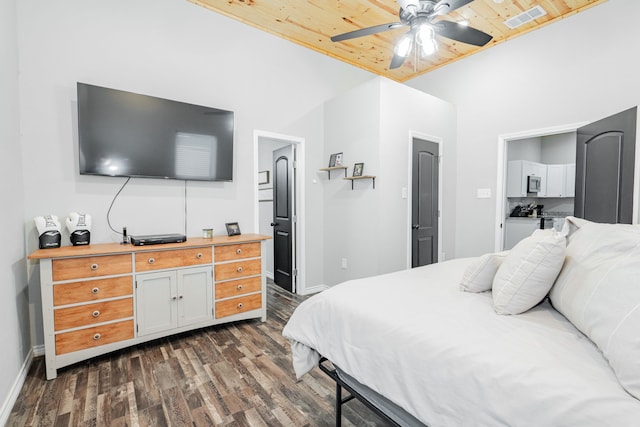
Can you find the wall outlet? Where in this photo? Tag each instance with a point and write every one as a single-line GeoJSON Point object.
{"type": "Point", "coordinates": [484, 193]}
{"type": "Point", "coordinates": [344, 263]}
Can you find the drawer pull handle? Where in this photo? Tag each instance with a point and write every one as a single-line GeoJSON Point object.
{"type": "Point", "coordinates": [239, 287]}
{"type": "Point", "coordinates": [95, 313]}
{"type": "Point", "coordinates": [199, 256]}
{"type": "Point", "coordinates": [238, 251]}
{"type": "Point", "coordinates": [94, 267]}
{"type": "Point", "coordinates": [95, 290]}
{"type": "Point", "coordinates": [152, 260]}
{"type": "Point", "coordinates": [239, 269]}
{"type": "Point", "coordinates": [240, 305]}
{"type": "Point", "coordinates": [97, 337]}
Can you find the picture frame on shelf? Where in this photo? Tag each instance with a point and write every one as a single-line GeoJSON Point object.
{"type": "Point", "coordinates": [335, 160]}
{"type": "Point", "coordinates": [233, 229]}
{"type": "Point", "coordinates": [357, 169]}
{"type": "Point", "coordinates": [263, 177]}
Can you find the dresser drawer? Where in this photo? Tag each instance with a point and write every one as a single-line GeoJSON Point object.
{"type": "Point", "coordinates": [238, 287]}
{"type": "Point", "coordinates": [238, 305]}
{"type": "Point", "coordinates": [92, 290]}
{"type": "Point", "coordinates": [87, 267]}
{"type": "Point", "coordinates": [236, 252]}
{"type": "Point", "coordinates": [236, 270]}
{"type": "Point", "coordinates": [94, 337]}
{"type": "Point", "coordinates": [90, 314]}
{"type": "Point", "coordinates": [158, 260]}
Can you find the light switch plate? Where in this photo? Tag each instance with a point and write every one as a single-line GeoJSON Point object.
{"type": "Point", "coordinates": [484, 193]}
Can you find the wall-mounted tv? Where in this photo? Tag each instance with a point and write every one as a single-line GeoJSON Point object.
{"type": "Point", "coordinates": [127, 134]}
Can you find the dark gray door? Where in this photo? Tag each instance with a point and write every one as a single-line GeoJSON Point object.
{"type": "Point", "coordinates": [424, 209]}
{"type": "Point", "coordinates": [283, 190]}
{"type": "Point", "coordinates": [605, 156]}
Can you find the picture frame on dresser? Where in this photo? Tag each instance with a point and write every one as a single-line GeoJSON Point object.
{"type": "Point", "coordinates": [233, 229]}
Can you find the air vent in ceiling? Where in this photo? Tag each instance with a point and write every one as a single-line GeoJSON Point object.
{"type": "Point", "coordinates": [524, 17]}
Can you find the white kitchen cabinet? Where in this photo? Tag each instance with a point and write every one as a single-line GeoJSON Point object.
{"type": "Point", "coordinates": [167, 300]}
{"type": "Point", "coordinates": [556, 181]}
{"type": "Point", "coordinates": [570, 180]}
{"type": "Point", "coordinates": [517, 173]}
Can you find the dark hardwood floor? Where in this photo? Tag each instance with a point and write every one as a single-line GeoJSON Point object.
{"type": "Point", "coordinates": [230, 375]}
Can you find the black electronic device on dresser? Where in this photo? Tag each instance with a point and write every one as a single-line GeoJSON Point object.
{"type": "Point", "coordinates": [157, 239]}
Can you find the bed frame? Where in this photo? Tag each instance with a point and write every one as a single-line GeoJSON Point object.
{"type": "Point", "coordinates": [383, 407]}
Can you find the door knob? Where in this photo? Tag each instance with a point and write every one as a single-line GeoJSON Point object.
{"type": "Point", "coordinates": [415, 226]}
{"type": "Point", "coordinates": [273, 224]}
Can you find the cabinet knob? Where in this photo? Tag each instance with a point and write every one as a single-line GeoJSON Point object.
{"type": "Point", "coordinates": [152, 260]}
{"type": "Point", "coordinates": [94, 267]}
{"type": "Point", "coordinates": [95, 313]}
{"type": "Point", "coordinates": [240, 305]}
{"type": "Point", "coordinates": [95, 290]}
{"type": "Point", "coordinates": [239, 269]}
{"type": "Point", "coordinates": [238, 251]}
{"type": "Point", "coordinates": [97, 337]}
{"type": "Point", "coordinates": [174, 297]}
{"type": "Point", "coordinates": [239, 287]}
{"type": "Point", "coordinates": [181, 296]}
{"type": "Point", "coordinates": [199, 256]}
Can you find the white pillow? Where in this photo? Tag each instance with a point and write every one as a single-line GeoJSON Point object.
{"type": "Point", "coordinates": [478, 277]}
{"type": "Point", "coordinates": [528, 272]}
{"type": "Point", "coordinates": [598, 290]}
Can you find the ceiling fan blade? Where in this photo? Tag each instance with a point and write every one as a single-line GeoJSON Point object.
{"type": "Point", "coordinates": [366, 31]}
{"type": "Point", "coordinates": [462, 33]}
{"type": "Point", "coordinates": [396, 61]}
{"type": "Point", "coordinates": [445, 6]}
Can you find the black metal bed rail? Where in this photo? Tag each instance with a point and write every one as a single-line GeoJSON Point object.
{"type": "Point", "coordinates": [339, 400]}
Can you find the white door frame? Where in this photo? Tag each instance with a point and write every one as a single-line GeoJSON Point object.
{"type": "Point", "coordinates": [501, 187]}
{"type": "Point", "coordinates": [299, 283]}
{"type": "Point", "coordinates": [435, 140]}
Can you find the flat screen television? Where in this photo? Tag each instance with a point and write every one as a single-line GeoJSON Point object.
{"type": "Point", "coordinates": [127, 134]}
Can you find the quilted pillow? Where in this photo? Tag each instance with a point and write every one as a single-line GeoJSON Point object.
{"type": "Point", "coordinates": [598, 290]}
{"type": "Point", "coordinates": [528, 272]}
{"type": "Point", "coordinates": [478, 277]}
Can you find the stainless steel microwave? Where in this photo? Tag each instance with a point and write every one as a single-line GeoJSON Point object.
{"type": "Point", "coordinates": [534, 184]}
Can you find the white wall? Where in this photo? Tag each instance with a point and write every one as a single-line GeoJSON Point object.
{"type": "Point", "coordinates": [371, 124]}
{"type": "Point", "coordinates": [166, 48]}
{"type": "Point", "coordinates": [14, 333]}
{"type": "Point", "coordinates": [581, 68]}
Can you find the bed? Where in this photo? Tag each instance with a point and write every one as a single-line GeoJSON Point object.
{"type": "Point", "coordinates": [421, 350]}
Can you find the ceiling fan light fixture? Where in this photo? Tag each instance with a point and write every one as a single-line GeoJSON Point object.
{"type": "Point", "coordinates": [429, 48]}
{"type": "Point", "coordinates": [403, 47]}
{"type": "Point", "coordinates": [425, 34]}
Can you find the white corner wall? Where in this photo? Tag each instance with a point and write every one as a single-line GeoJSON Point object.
{"type": "Point", "coordinates": [371, 124]}
{"type": "Point", "coordinates": [14, 333]}
{"type": "Point", "coordinates": [581, 68]}
{"type": "Point", "coordinates": [165, 48]}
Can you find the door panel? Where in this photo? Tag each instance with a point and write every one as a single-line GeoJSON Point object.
{"type": "Point", "coordinates": [605, 157]}
{"type": "Point", "coordinates": [283, 191]}
{"type": "Point", "coordinates": [424, 210]}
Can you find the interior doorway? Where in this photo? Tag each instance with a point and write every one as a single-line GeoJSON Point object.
{"type": "Point", "coordinates": [265, 144]}
{"type": "Point", "coordinates": [502, 204]}
{"type": "Point", "coordinates": [434, 175]}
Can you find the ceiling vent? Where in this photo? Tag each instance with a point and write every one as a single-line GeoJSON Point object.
{"type": "Point", "coordinates": [524, 17]}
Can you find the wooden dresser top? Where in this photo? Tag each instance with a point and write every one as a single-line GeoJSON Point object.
{"type": "Point", "coordinates": [117, 248]}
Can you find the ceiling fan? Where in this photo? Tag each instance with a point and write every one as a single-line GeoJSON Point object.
{"type": "Point", "coordinates": [418, 15]}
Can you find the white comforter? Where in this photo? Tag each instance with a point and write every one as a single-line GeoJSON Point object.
{"type": "Point", "coordinates": [450, 360]}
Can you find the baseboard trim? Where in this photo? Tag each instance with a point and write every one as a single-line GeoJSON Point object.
{"type": "Point", "coordinates": [11, 399]}
{"type": "Point", "coordinates": [38, 350]}
{"type": "Point", "coordinates": [314, 289]}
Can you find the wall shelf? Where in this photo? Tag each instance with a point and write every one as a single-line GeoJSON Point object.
{"type": "Point", "coordinates": [355, 178]}
{"type": "Point", "coordinates": [334, 168]}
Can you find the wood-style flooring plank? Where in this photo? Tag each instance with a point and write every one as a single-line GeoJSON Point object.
{"type": "Point", "coordinates": [237, 374]}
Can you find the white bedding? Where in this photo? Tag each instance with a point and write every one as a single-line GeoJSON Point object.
{"type": "Point", "coordinates": [447, 358]}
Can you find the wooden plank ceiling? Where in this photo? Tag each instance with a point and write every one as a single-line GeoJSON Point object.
{"type": "Point", "coordinates": [311, 23]}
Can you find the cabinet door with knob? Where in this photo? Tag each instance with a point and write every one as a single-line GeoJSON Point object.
{"type": "Point", "coordinates": [171, 299]}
